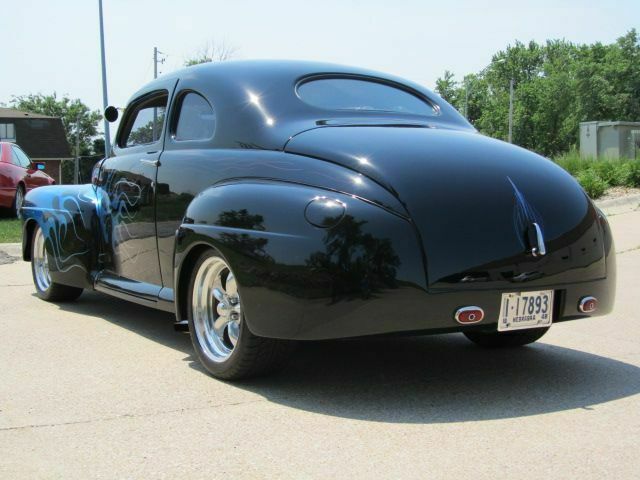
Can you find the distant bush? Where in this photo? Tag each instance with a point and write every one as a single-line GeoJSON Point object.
{"type": "Point", "coordinates": [592, 183]}
{"type": "Point", "coordinates": [596, 176]}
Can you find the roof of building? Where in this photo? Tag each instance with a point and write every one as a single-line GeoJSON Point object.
{"type": "Point", "coordinates": [11, 113]}
{"type": "Point", "coordinates": [42, 137]}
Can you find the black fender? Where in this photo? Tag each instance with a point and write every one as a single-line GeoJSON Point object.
{"type": "Point", "coordinates": [70, 219]}
{"type": "Point", "coordinates": [306, 260]}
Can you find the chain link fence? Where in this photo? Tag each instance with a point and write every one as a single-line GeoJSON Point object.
{"type": "Point", "coordinates": [86, 165]}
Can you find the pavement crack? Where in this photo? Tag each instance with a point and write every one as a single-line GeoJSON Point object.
{"type": "Point", "coordinates": [109, 418]}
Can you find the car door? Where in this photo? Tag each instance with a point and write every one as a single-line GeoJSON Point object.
{"type": "Point", "coordinates": [129, 180]}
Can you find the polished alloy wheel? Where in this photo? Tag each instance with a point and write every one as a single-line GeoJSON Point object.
{"type": "Point", "coordinates": [40, 261]}
{"type": "Point", "coordinates": [216, 309]}
{"type": "Point", "coordinates": [19, 201]}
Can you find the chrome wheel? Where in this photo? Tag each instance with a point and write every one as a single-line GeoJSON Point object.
{"type": "Point", "coordinates": [40, 261]}
{"type": "Point", "coordinates": [19, 200]}
{"type": "Point", "coordinates": [216, 309]}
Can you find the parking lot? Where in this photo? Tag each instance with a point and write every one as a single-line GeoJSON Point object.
{"type": "Point", "coordinates": [102, 388]}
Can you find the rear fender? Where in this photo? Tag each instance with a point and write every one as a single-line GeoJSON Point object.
{"type": "Point", "coordinates": [69, 217]}
{"type": "Point", "coordinates": [295, 276]}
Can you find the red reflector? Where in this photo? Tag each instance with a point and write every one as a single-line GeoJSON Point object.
{"type": "Point", "coordinates": [469, 315]}
{"type": "Point", "coordinates": [588, 304]}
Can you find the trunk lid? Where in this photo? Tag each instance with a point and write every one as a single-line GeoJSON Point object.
{"type": "Point", "coordinates": [473, 201]}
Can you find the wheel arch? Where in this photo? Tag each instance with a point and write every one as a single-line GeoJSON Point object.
{"type": "Point", "coordinates": [184, 271]}
{"type": "Point", "coordinates": [283, 258]}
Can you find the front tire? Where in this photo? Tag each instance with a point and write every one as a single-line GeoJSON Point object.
{"type": "Point", "coordinates": [45, 288]}
{"type": "Point", "coordinates": [516, 338]}
{"type": "Point", "coordinates": [224, 344]}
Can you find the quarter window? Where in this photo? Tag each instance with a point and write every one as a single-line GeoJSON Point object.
{"type": "Point", "coordinates": [144, 126]}
{"type": "Point", "coordinates": [197, 120]}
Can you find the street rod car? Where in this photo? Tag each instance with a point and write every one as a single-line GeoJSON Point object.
{"type": "Point", "coordinates": [265, 202]}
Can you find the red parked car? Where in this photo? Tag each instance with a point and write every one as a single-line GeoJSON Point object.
{"type": "Point", "coordinates": [18, 175]}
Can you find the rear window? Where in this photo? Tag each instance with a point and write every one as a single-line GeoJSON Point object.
{"type": "Point", "coordinates": [361, 95]}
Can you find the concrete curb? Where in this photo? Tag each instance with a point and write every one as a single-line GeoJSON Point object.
{"type": "Point", "coordinates": [616, 206]}
{"type": "Point", "coordinates": [12, 249]}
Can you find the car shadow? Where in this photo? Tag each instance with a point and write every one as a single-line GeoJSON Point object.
{"type": "Point", "coordinates": [428, 379]}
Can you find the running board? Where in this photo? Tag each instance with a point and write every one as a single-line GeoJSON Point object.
{"type": "Point", "coordinates": [142, 293]}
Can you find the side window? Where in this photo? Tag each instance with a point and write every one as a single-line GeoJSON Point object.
{"type": "Point", "coordinates": [20, 158]}
{"type": "Point", "coordinates": [144, 124]}
{"type": "Point", "coordinates": [197, 120]}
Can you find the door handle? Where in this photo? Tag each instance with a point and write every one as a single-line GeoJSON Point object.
{"type": "Point", "coordinates": [155, 163]}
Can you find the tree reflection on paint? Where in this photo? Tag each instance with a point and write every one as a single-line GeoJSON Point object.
{"type": "Point", "coordinates": [357, 262]}
{"type": "Point", "coordinates": [244, 242]}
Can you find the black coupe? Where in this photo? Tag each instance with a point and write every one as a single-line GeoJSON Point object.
{"type": "Point", "coordinates": [265, 202]}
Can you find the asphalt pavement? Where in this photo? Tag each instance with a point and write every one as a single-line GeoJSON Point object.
{"type": "Point", "coordinates": [101, 388]}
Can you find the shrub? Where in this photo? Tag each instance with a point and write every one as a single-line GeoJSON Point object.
{"type": "Point", "coordinates": [633, 177]}
{"type": "Point", "coordinates": [594, 174]}
{"type": "Point", "coordinates": [593, 184]}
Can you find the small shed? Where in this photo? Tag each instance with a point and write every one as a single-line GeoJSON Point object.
{"type": "Point", "coordinates": [42, 137]}
{"type": "Point", "coordinates": [610, 139]}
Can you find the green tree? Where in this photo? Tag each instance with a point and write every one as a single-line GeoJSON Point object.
{"type": "Point", "coordinates": [558, 84]}
{"type": "Point", "coordinates": [447, 87]}
{"type": "Point", "coordinates": [75, 115]}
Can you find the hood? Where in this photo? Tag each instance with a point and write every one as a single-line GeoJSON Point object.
{"type": "Point", "coordinates": [474, 202]}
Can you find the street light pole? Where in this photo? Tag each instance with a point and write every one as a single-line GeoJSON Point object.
{"type": "Point", "coordinates": [511, 111]}
{"type": "Point", "coordinates": [466, 98]}
{"type": "Point", "coordinates": [105, 98]}
{"type": "Point", "coordinates": [76, 165]}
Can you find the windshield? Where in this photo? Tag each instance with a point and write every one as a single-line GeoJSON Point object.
{"type": "Point", "coordinates": [361, 95]}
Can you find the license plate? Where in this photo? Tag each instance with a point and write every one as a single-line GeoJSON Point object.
{"type": "Point", "coordinates": [526, 310]}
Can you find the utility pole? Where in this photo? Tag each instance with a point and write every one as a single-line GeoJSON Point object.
{"type": "Point", "coordinates": [156, 61]}
{"type": "Point", "coordinates": [105, 98]}
{"type": "Point", "coordinates": [76, 169]}
{"type": "Point", "coordinates": [511, 111]}
{"type": "Point", "coordinates": [466, 98]}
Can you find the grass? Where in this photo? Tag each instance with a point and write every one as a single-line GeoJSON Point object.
{"type": "Point", "coordinates": [597, 175]}
{"type": "Point", "coordinates": [10, 230]}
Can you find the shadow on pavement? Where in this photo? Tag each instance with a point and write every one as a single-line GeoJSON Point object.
{"type": "Point", "coordinates": [430, 379]}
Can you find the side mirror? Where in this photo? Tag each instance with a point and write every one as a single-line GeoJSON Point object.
{"type": "Point", "coordinates": [39, 166]}
{"type": "Point", "coordinates": [111, 114]}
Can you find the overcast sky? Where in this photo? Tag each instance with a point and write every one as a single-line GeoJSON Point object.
{"type": "Point", "coordinates": [54, 45]}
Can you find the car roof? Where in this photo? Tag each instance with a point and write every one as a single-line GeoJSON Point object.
{"type": "Point", "coordinates": [257, 106]}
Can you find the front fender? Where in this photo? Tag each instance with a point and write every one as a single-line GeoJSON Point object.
{"type": "Point", "coordinates": [69, 217]}
{"type": "Point", "coordinates": [296, 279]}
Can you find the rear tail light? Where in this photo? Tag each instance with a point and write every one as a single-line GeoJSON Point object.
{"type": "Point", "coordinates": [588, 304]}
{"type": "Point", "coordinates": [466, 315]}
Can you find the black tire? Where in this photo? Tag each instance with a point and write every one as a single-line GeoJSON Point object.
{"type": "Point", "coordinates": [252, 355]}
{"type": "Point", "coordinates": [516, 338]}
{"type": "Point", "coordinates": [47, 290]}
{"type": "Point", "coordinates": [18, 200]}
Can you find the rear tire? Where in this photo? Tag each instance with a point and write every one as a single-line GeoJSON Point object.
{"type": "Point", "coordinates": [45, 288]}
{"type": "Point", "coordinates": [18, 200]}
{"type": "Point", "coordinates": [516, 338]}
{"type": "Point", "coordinates": [224, 344]}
